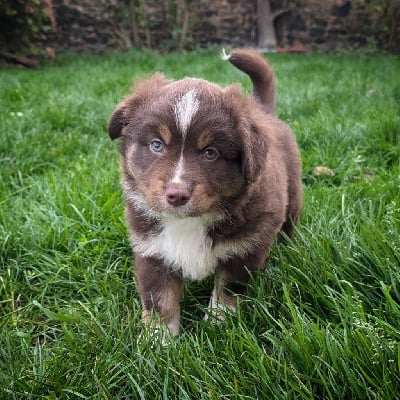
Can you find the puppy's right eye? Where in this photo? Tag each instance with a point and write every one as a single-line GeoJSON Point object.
{"type": "Point", "coordinates": [157, 146]}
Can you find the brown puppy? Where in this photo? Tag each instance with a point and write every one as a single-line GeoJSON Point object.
{"type": "Point", "coordinates": [210, 177]}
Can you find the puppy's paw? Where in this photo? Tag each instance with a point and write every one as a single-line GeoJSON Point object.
{"type": "Point", "coordinates": [218, 310]}
{"type": "Point", "coordinates": [155, 336]}
{"type": "Point", "coordinates": [157, 332]}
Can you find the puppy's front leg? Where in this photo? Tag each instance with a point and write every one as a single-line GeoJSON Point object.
{"type": "Point", "coordinates": [160, 291]}
{"type": "Point", "coordinates": [231, 278]}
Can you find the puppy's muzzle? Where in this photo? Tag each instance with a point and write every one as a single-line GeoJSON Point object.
{"type": "Point", "coordinates": [177, 194]}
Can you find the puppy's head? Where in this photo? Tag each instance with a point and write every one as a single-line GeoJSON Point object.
{"type": "Point", "coordinates": [189, 148]}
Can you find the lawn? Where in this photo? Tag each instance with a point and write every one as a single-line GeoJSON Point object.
{"type": "Point", "coordinates": [322, 322]}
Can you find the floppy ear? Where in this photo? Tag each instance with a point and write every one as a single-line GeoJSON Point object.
{"type": "Point", "coordinates": [255, 150]}
{"type": "Point", "coordinates": [117, 121]}
{"type": "Point", "coordinates": [141, 91]}
{"type": "Point", "coordinates": [250, 122]}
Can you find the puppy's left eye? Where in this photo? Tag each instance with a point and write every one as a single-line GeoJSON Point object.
{"type": "Point", "coordinates": [157, 146]}
{"type": "Point", "coordinates": [210, 153]}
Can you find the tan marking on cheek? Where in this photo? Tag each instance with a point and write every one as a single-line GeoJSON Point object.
{"type": "Point", "coordinates": [165, 134]}
{"type": "Point", "coordinates": [205, 139]}
{"type": "Point", "coordinates": [129, 161]}
{"type": "Point", "coordinates": [202, 200]}
{"type": "Point", "coordinates": [152, 190]}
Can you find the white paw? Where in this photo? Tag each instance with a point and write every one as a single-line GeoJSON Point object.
{"type": "Point", "coordinates": [218, 310]}
{"type": "Point", "coordinates": [158, 333]}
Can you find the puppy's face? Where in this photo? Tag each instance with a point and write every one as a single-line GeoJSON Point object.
{"type": "Point", "coordinates": [185, 146]}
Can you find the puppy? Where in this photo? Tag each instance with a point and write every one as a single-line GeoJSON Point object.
{"type": "Point", "coordinates": [210, 177]}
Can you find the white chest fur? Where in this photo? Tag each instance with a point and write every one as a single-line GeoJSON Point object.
{"type": "Point", "coordinates": [184, 244]}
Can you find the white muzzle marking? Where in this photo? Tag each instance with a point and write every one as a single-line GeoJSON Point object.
{"type": "Point", "coordinates": [178, 171]}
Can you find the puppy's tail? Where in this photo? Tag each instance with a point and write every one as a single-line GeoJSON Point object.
{"type": "Point", "coordinates": [260, 73]}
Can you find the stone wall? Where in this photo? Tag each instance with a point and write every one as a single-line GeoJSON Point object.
{"type": "Point", "coordinates": [97, 26]}
{"type": "Point", "coordinates": [325, 25]}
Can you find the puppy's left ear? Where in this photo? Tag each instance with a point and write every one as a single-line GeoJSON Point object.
{"type": "Point", "coordinates": [253, 132]}
{"type": "Point", "coordinates": [255, 149]}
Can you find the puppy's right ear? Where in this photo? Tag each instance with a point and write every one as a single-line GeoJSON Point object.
{"type": "Point", "coordinates": [117, 121]}
{"type": "Point", "coordinates": [141, 91]}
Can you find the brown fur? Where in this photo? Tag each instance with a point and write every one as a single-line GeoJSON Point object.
{"type": "Point", "coordinates": [237, 187]}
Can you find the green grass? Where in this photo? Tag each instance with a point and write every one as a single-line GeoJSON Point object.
{"type": "Point", "coordinates": [321, 323]}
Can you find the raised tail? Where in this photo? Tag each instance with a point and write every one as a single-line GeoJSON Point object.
{"type": "Point", "coordinates": [261, 75]}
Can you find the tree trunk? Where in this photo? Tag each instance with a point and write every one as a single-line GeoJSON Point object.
{"type": "Point", "coordinates": [134, 24]}
{"type": "Point", "coordinates": [265, 25]}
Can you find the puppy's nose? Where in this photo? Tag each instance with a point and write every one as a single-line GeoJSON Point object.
{"type": "Point", "coordinates": [177, 194]}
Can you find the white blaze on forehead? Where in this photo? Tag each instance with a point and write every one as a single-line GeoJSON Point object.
{"type": "Point", "coordinates": [185, 109]}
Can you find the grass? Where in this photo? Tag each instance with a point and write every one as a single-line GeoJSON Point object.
{"type": "Point", "coordinates": [321, 323]}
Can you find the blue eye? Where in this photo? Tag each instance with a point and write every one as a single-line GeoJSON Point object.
{"type": "Point", "coordinates": [210, 153]}
{"type": "Point", "coordinates": [157, 146]}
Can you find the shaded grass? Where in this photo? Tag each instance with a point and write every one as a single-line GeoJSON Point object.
{"type": "Point", "coordinates": [321, 322]}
